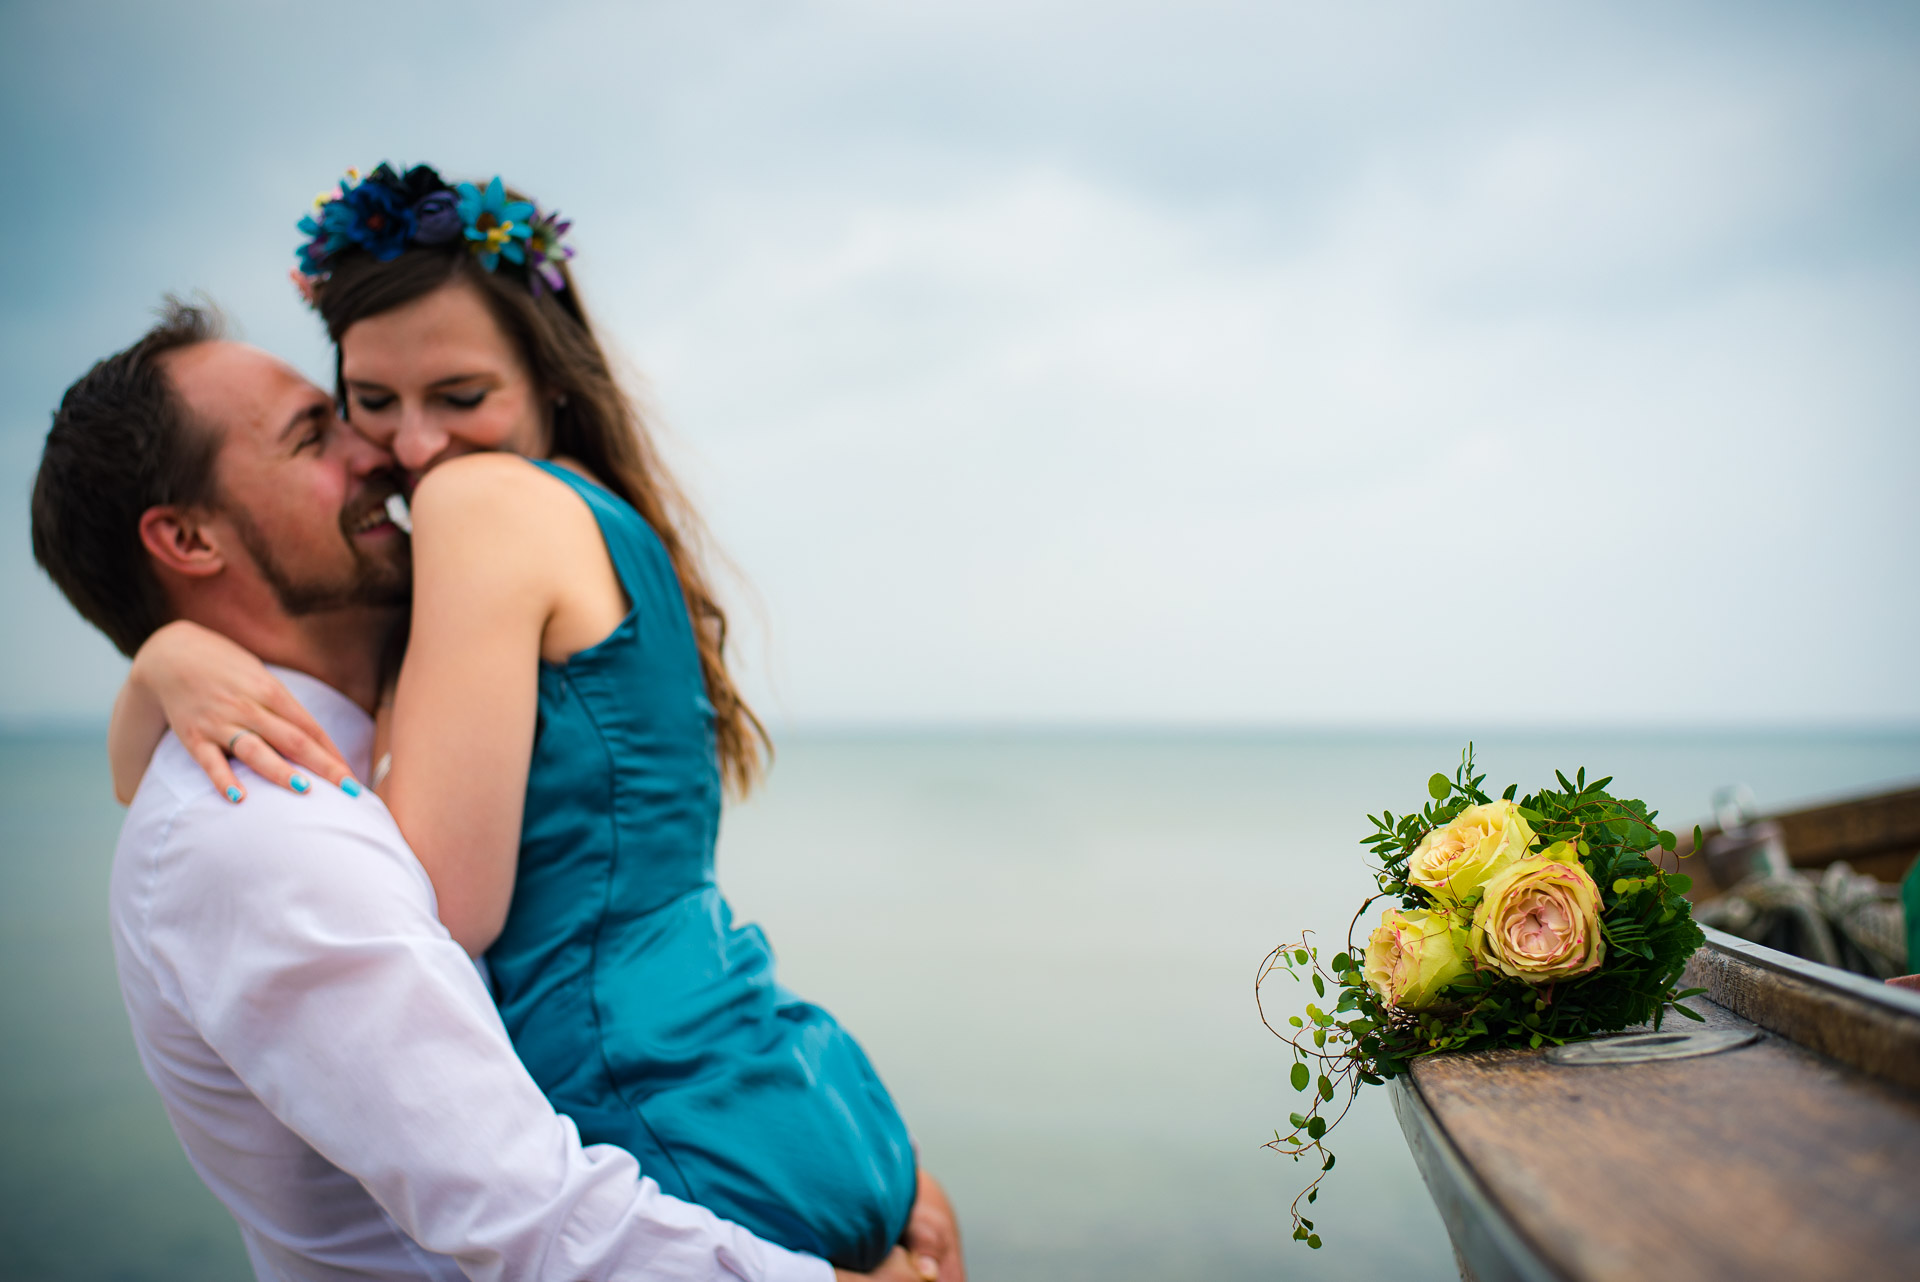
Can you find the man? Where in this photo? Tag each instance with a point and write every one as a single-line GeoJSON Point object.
{"type": "Point", "coordinates": [327, 1054]}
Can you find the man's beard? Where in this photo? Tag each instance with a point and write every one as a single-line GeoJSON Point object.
{"type": "Point", "coordinates": [370, 583]}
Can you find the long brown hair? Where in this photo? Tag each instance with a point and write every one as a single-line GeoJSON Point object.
{"type": "Point", "coordinates": [594, 422]}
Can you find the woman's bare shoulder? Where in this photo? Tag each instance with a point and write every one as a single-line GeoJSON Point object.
{"type": "Point", "coordinates": [501, 493]}
{"type": "Point", "coordinates": [479, 480]}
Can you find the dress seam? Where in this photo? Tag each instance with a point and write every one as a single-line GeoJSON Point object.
{"type": "Point", "coordinates": [593, 948]}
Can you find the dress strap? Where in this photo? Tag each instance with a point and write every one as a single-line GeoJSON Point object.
{"type": "Point", "coordinates": [624, 530]}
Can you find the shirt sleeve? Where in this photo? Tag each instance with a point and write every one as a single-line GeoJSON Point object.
{"type": "Point", "coordinates": [298, 935]}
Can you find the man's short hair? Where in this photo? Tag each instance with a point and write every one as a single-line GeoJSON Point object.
{"type": "Point", "coordinates": [122, 442]}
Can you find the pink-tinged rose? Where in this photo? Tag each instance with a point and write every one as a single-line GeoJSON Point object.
{"type": "Point", "coordinates": [1413, 955]}
{"type": "Point", "coordinates": [1539, 918]}
{"type": "Point", "coordinates": [1454, 863]}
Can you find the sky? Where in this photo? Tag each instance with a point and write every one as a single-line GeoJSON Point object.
{"type": "Point", "coordinates": [1366, 365]}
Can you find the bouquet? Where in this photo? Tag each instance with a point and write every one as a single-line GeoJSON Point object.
{"type": "Point", "coordinates": [1515, 924]}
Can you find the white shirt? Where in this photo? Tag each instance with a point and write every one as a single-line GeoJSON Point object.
{"type": "Point", "coordinates": [335, 1067]}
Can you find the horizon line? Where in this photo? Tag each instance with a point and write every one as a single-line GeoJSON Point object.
{"type": "Point", "coordinates": [1068, 727]}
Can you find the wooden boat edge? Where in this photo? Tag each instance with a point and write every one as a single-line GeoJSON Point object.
{"type": "Point", "coordinates": [1486, 1244]}
{"type": "Point", "coordinates": [1863, 1023]}
{"type": "Point", "coordinates": [1860, 1022]}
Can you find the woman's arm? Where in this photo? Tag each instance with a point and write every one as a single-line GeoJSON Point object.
{"type": "Point", "coordinates": [492, 545]}
{"type": "Point", "coordinates": [210, 689]}
{"type": "Point", "coordinates": [138, 725]}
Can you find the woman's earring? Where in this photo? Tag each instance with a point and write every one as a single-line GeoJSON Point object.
{"type": "Point", "coordinates": [560, 401]}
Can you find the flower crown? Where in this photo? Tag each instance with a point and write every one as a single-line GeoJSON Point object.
{"type": "Point", "coordinates": [386, 211]}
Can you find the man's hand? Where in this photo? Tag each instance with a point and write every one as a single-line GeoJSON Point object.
{"type": "Point", "coordinates": [895, 1268]}
{"type": "Point", "coordinates": [933, 1235]}
{"type": "Point", "coordinates": [932, 1249]}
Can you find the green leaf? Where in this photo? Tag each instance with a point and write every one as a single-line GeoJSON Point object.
{"type": "Point", "coordinates": [1667, 840]}
{"type": "Point", "coordinates": [1297, 1120]}
{"type": "Point", "coordinates": [1690, 1014]}
{"type": "Point", "coordinates": [1296, 1021]}
{"type": "Point", "coordinates": [1313, 1240]}
{"type": "Point", "coordinates": [1678, 882]}
{"type": "Point", "coordinates": [1300, 955]}
{"type": "Point", "coordinates": [1341, 962]}
{"type": "Point", "coordinates": [1319, 986]}
{"type": "Point", "coordinates": [1300, 1234]}
{"type": "Point", "coordinates": [1326, 1087]}
{"type": "Point", "coordinates": [1438, 787]}
{"type": "Point", "coordinates": [1300, 1079]}
{"type": "Point", "coordinates": [1329, 1163]}
{"type": "Point", "coordinates": [1313, 1195]}
{"type": "Point", "coordinates": [1316, 1127]}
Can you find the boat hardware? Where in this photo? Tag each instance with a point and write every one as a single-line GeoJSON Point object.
{"type": "Point", "coordinates": [1640, 1048]}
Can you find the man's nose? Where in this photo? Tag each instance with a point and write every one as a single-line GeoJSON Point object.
{"type": "Point", "coordinates": [363, 456]}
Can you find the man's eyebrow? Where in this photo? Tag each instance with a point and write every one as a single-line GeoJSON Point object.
{"type": "Point", "coordinates": [305, 415]}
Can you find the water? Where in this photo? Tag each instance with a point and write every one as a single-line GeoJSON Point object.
{"type": "Point", "coordinates": [1046, 942]}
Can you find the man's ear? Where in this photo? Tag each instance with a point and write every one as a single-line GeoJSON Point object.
{"type": "Point", "coordinates": [180, 543]}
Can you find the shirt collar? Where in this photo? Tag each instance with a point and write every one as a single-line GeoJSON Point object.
{"type": "Point", "coordinates": [346, 721]}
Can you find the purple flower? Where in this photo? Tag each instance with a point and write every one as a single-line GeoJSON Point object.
{"type": "Point", "coordinates": [545, 253]}
{"type": "Point", "coordinates": [436, 219]}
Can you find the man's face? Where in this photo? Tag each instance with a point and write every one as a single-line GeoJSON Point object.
{"type": "Point", "coordinates": [301, 492]}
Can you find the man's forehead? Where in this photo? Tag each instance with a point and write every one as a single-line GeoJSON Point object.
{"type": "Point", "coordinates": [233, 387]}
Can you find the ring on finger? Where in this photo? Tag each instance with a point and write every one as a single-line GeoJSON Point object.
{"type": "Point", "coordinates": [236, 739]}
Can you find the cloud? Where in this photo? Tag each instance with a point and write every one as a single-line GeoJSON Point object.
{"type": "Point", "coordinates": [1114, 363]}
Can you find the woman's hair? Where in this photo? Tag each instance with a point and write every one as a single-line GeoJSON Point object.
{"type": "Point", "coordinates": [594, 421]}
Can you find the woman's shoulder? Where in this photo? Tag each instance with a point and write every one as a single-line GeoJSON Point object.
{"type": "Point", "coordinates": [497, 490]}
{"type": "Point", "coordinates": [480, 479]}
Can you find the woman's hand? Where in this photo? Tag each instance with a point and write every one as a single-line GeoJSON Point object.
{"type": "Point", "coordinates": [220, 701]}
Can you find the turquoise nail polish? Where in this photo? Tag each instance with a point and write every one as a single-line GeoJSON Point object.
{"type": "Point", "coordinates": [234, 795]}
{"type": "Point", "coordinates": [351, 786]}
{"type": "Point", "coordinates": [299, 783]}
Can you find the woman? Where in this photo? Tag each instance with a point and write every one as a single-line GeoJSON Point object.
{"type": "Point", "coordinates": [561, 724]}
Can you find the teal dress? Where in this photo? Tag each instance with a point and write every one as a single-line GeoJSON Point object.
{"type": "Point", "coordinates": [641, 1009]}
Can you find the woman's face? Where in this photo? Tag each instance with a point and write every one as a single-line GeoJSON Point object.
{"type": "Point", "coordinates": [438, 377]}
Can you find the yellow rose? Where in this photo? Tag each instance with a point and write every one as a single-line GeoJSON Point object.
{"type": "Point", "coordinates": [1413, 954]}
{"type": "Point", "coordinates": [1540, 918]}
{"type": "Point", "coordinates": [1453, 863]}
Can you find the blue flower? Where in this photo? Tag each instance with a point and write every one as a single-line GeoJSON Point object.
{"type": "Point", "coordinates": [319, 248]}
{"type": "Point", "coordinates": [374, 216]}
{"type": "Point", "coordinates": [495, 226]}
{"type": "Point", "coordinates": [323, 240]}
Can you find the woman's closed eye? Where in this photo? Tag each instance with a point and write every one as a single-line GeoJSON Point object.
{"type": "Point", "coordinates": [465, 400]}
{"type": "Point", "coordinates": [374, 402]}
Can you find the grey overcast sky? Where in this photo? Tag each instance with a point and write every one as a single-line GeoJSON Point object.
{"type": "Point", "coordinates": [1362, 364]}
